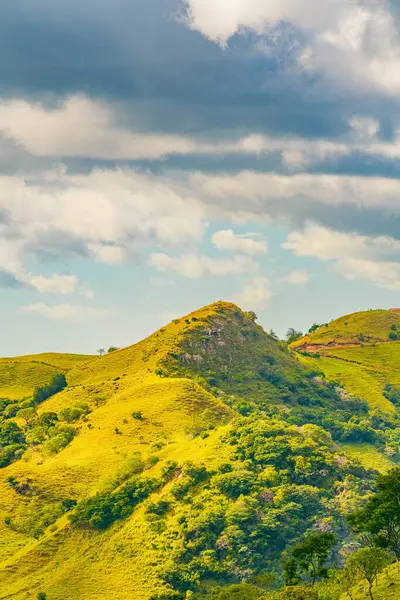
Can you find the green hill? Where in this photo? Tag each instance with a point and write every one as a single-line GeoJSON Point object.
{"type": "Point", "coordinates": [193, 458]}
{"type": "Point", "coordinates": [20, 376]}
{"type": "Point", "coordinates": [360, 351]}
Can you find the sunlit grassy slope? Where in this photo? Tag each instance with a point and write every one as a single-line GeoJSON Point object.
{"type": "Point", "coordinates": [373, 325]}
{"type": "Point", "coordinates": [169, 379]}
{"type": "Point", "coordinates": [356, 352]}
{"type": "Point", "coordinates": [122, 562]}
{"type": "Point", "coordinates": [20, 376]}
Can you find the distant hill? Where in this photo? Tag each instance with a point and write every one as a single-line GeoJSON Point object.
{"type": "Point", "coordinates": [361, 351]}
{"type": "Point", "coordinates": [354, 329]}
{"type": "Point", "coordinates": [21, 375]}
{"type": "Point", "coordinates": [193, 458]}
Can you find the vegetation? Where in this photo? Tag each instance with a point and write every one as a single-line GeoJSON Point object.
{"type": "Point", "coordinates": [208, 462]}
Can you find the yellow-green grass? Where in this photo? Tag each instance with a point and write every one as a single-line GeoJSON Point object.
{"type": "Point", "coordinates": [384, 358]}
{"type": "Point", "coordinates": [362, 381]}
{"type": "Point", "coordinates": [369, 457]}
{"type": "Point", "coordinates": [122, 562]}
{"type": "Point", "coordinates": [62, 361]}
{"type": "Point", "coordinates": [20, 376]}
{"type": "Point", "coordinates": [387, 586]}
{"type": "Point", "coordinates": [143, 357]}
{"type": "Point", "coordinates": [372, 324]}
{"type": "Point", "coordinates": [19, 379]}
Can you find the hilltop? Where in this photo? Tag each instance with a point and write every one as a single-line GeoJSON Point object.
{"type": "Point", "coordinates": [370, 326]}
{"type": "Point", "coordinates": [361, 351]}
{"type": "Point", "coordinates": [192, 458]}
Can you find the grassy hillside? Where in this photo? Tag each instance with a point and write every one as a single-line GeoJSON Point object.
{"type": "Point", "coordinates": [360, 351]}
{"type": "Point", "coordinates": [182, 461]}
{"type": "Point", "coordinates": [21, 375]}
{"type": "Point", "coordinates": [369, 326]}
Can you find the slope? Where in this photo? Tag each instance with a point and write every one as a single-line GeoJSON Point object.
{"type": "Point", "coordinates": [21, 375]}
{"type": "Point", "coordinates": [181, 451]}
{"type": "Point", "coordinates": [361, 351]}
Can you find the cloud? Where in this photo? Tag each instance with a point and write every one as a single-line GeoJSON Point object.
{"type": "Point", "coordinates": [226, 239]}
{"type": "Point", "coordinates": [67, 312]}
{"type": "Point", "coordinates": [255, 295]}
{"type": "Point", "coordinates": [353, 39]}
{"type": "Point", "coordinates": [363, 204]}
{"type": "Point", "coordinates": [56, 284]}
{"type": "Point", "coordinates": [106, 216]}
{"type": "Point", "coordinates": [297, 278]}
{"type": "Point", "coordinates": [112, 216]}
{"type": "Point", "coordinates": [80, 127]}
{"type": "Point", "coordinates": [194, 267]}
{"type": "Point", "coordinates": [376, 259]}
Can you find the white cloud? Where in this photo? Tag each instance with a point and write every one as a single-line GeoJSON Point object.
{"type": "Point", "coordinates": [111, 255]}
{"type": "Point", "coordinates": [84, 128]}
{"type": "Point", "coordinates": [383, 274]}
{"type": "Point", "coordinates": [81, 127]}
{"type": "Point", "coordinates": [354, 41]}
{"type": "Point", "coordinates": [297, 278]}
{"type": "Point", "coordinates": [248, 194]}
{"type": "Point", "coordinates": [376, 259]}
{"type": "Point", "coordinates": [68, 312]}
{"type": "Point", "coordinates": [226, 239]}
{"type": "Point", "coordinates": [115, 215]}
{"type": "Point", "coordinates": [255, 295]}
{"type": "Point", "coordinates": [107, 215]}
{"type": "Point", "coordinates": [194, 267]}
{"type": "Point", "coordinates": [57, 284]}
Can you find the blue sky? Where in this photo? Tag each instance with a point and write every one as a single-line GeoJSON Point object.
{"type": "Point", "coordinates": [155, 157]}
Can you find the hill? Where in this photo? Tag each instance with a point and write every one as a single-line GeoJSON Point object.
{"type": "Point", "coordinates": [192, 458]}
{"type": "Point", "coordinates": [361, 351]}
{"type": "Point", "coordinates": [21, 375]}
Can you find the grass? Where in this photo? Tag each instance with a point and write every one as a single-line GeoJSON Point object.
{"type": "Point", "coordinates": [359, 380]}
{"type": "Point", "coordinates": [362, 367]}
{"type": "Point", "coordinates": [180, 421]}
{"type": "Point", "coordinates": [20, 376]}
{"type": "Point", "coordinates": [374, 325]}
{"type": "Point", "coordinates": [386, 588]}
{"type": "Point", "coordinates": [122, 562]}
{"type": "Point", "coordinates": [369, 457]}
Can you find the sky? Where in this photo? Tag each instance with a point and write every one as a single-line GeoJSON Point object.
{"type": "Point", "coordinates": [159, 156]}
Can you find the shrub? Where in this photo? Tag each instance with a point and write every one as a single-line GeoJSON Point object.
{"type": "Point", "coordinates": [102, 510]}
{"type": "Point", "coordinates": [160, 507]}
{"type": "Point", "coordinates": [42, 393]}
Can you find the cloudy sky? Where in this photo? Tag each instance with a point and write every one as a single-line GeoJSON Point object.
{"type": "Point", "coordinates": [157, 156]}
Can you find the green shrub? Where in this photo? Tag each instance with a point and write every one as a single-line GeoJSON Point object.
{"type": "Point", "coordinates": [42, 393]}
{"type": "Point", "coordinates": [102, 510]}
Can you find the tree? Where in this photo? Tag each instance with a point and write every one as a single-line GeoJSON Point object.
{"type": "Point", "coordinates": [292, 335]}
{"type": "Point", "coordinates": [367, 562]}
{"type": "Point", "coordinates": [101, 351]}
{"type": "Point", "coordinates": [348, 578]}
{"type": "Point", "coordinates": [112, 349]}
{"type": "Point", "coordinates": [27, 414]}
{"type": "Point", "coordinates": [41, 596]}
{"type": "Point", "coordinates": [379, 520]}
{"type": "Point", "coordinates": [314, 327]}
{"type": "Point", "coordinates": [309, 558]}
{"type": "Point", "coordinates": [252, 315]}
